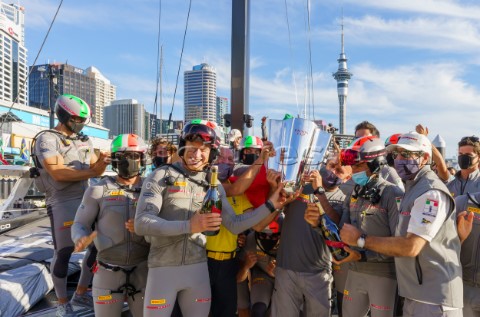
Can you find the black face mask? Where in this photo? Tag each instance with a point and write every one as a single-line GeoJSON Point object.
{"type": "Point", "coordinates": [268, 242]}
{"type": "Point", "coordinates": [128, 168]}
{"type": "Point", "coordinates": [329, 179]}
{"type": "Point", "coordinates": [249, 159]}
{"type": "Point", "coordinates": [465, 161]}
{"type": "Point", "coordinates": [225, 170]}
{"type": "Point", "coordinates": [159, 161]}
{"type": "Point", "coordinates": [390, 159]}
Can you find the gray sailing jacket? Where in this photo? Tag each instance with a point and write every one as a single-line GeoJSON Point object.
{"type": "Point", "coordinates": [107, 207]}
{"type": "Point", "coordinates": [470, 255]}
{"type": "Point", "coordinates": [76, 154]}
{"type": "Point", "coordinates": [435, 275]}
{"type": "Point", "coordinates": [379, 219]}
{"type": "Point", "coordinates": [164, 211]}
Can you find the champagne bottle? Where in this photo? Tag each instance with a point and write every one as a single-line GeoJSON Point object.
{"type": "Point", "coordinates": [212, 203]}
{"type": "Point", "coordinates": [330, 232]}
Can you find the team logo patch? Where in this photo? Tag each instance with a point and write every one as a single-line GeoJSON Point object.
{"type": "Point", "coordinates": [345, 292]}
{"type": "Point", "coordinates": [68, 223]}
{"type": "Point", "coordinates": [180, 184]}
{"type": "Point", "coordinates": [473, 209]}
{"type": "Point", "coordinates": [106, 297]}
{"type": "Point", "coordinates": [431, 207]}
{"type": "Point", "coordinates": [353, 200]}
{"type": "Point", "coordinates": [158, 301]}
{"type": "Point", "coordinates": [426, 221]}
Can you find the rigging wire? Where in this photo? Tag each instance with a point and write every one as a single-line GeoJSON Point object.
{"type": "Point", "coordinates": [312, 95]}
{"type": "Point", "coordinates": [155, 104]}
{"type": "Point", "coordinates": [291, 56]}
{"type": "Point", "coordinates": [179, 64]}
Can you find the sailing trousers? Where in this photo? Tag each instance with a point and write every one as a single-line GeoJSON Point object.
{"type": "Point", "coordinates": [61, 219]}
{"type": "Point", "coordinates": [296, 289]}
{"type": "Point", "coordinates": [364, 292]}
{"type": "Point", "coordinates": [109, 290]}
{"type": "Point", "coordinates": [189, 284]}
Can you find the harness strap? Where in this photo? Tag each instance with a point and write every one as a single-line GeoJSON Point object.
{"type": "Point", "coordinates": [127, 288]}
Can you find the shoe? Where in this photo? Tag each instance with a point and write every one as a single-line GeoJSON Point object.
{"type": "Point", "coordinates": [84, 300]}
{"type": "Point", "coordinates": [64, 310]}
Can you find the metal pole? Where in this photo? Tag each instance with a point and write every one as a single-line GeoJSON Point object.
{"type": "Point", "coordinates": [51, 104]}
{"type": "Point", "coordinates": [240, 62]}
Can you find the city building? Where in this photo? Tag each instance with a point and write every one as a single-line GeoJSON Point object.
{"type": "Point", "coordinates": [125, 116]}
{"type": "Point", "coordinates": [13, 54]}
{"type": "Point", "coordinates": [342, 76]}
{"type": "Point", "coordinates": [200, 93]}
{"type": "Point", "coordinates": [48, 81]}
{"type": "Point", "coordinates": [222, 109]}
{"type": "Point", "coordinates": [105, 93]}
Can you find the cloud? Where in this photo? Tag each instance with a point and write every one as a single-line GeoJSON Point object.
{"type": "Point", "coordinates": [458, 9]}
{"type": "Point", "coordinates": [433, 34]}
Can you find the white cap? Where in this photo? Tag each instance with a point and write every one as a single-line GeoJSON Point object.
{"type": "Point", "coordinates": [413, 141]}
{"type": "Point", "coordinates": [234, 134]}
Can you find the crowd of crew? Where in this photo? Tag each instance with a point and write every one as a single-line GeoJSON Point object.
{"type": "Point", "coordinates": [410, 226]}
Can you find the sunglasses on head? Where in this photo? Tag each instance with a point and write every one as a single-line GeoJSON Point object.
{"type": "Point", "coordinates": [406, 154]}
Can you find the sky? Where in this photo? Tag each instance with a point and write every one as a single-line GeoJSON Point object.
{"type": "Point", "coordinates": [412, 61]}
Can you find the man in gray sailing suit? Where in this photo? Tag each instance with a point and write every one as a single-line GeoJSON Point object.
{"type": "Point", "coordinates": [426, 246]}
{"type": "Point", "coordinates": [467, 179]}
{"type": "Point", "coordinates": [167, 216]}
{"type": "Point", "coordinates": [65, 161]}
{"type": "Point", "coordinates": [372, 208]}
{"type": "Point", "coordinates": [121, 268]}
{"type": "Point", "coordinates": [470, 254]}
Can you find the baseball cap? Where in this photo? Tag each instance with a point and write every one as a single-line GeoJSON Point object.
{"type": "Point", "coordinates": [234, 134]}
{"type": "Point", "coordinates": [413, 141]}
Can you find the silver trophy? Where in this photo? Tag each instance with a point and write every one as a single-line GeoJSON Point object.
{"type": "Point", "coordinates": [299, 147]}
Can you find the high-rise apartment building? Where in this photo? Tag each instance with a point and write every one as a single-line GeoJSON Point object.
{"type": "Point", "coordinates": [200, 93]}
{"type": "Point", "coordinates": [105, 93]}
{"type": "Point", "coordinates": [48, 81]}
{"type": "Point", "coordinates": [125, 116]}
{"type": "Point", "coordinates": [222, 109]}
{"type": "Point", "coordinates": [13, 54]}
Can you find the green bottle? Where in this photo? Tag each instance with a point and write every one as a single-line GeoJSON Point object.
{"type": "Point", "coordinates": [212, 203]}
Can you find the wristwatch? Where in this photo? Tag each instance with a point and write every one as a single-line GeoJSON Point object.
{"type": "Point", "coordinates": [319, 191]}
{"type": "Point", "coordinates": [361, 241]}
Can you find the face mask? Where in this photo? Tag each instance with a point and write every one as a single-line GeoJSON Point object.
{"type": "Point", "coordinates": [268, 241]}
{"type": "Point", "coordinates": [465, 161]}
{"type": "Point", "coordinates": [407, 169]}
{"type": "Point", "coordinates": [159, 161]}
{"type": "Point", "coordinates": [128, 168]}
{"type": "Point", "coordinates": [249, 159]}
{"type": "Point", "coordinates": [329, 179]}
{"type": "Point", "coordinates": [360, 178]}
{"type": "Point", "coordinates": [390, 159]}
{"type": "Point", "coordinates": [224, 171]}
{"type": "Point", "coordinates": [75, 127]}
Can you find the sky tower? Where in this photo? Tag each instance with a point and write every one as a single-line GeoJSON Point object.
{"type": "Point", "coordinates": [342, 76]}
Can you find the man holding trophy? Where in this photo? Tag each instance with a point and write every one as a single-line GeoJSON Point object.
{"type": "Point", "coordinates": [303, 273]}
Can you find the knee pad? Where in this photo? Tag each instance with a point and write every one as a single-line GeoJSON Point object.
{"type": "Point", "coordinates": [259, 310]}
{"type": "Point", "coordinates": [60, 267]}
